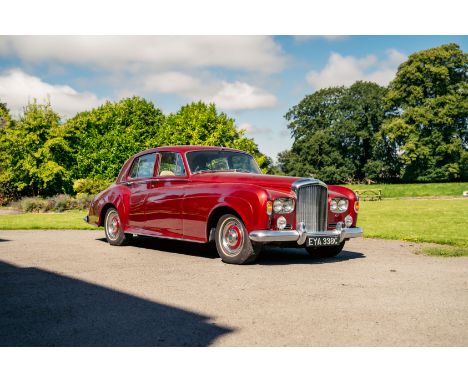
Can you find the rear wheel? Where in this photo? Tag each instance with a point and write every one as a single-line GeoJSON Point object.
{"type": "Point", "coordinates": [331, 251]}
{"type": "Point", "coordinates": [113, 227]}
{"type": "Point", "coordinates": [233, 243]}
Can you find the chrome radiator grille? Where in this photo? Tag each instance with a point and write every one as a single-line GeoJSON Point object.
{"type": "Point", "coordinates": [311, 207]}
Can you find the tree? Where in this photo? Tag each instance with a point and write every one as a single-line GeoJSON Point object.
{"type": "Point", "coordinates": [428, 115]}
{"type": "Point", "coordinates": [4, 115]}
{"type": "Point", "coordinates": [201, 124]}
{"type": "Point", "coordinates": [7, 190]}
{"type": "Point", "coordinates": [337, 135]}
{"type": "Point", "coordinates": [104, 138]}
{"type": "Point", "coordinates": [33, 151]}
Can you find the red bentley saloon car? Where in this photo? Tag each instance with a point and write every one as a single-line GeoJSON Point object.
{"type": "Point", "coordinates": [216, 194]}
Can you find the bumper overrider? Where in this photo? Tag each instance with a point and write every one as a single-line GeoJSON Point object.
{"type": "Point", "coordinates": [300, 235]}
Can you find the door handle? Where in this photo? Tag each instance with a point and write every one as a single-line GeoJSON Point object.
{"type": "Point", "coordinates": [128, 183]}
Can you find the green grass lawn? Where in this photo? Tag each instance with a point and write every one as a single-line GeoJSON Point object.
{"type": "Point", "coordinates": [62, 220]}
{"type": "Point", "coordinates": [414, 190]}
{"type": "Point", "coordinates": [446, 251]}
{"type": "Point", "coordinates": [432, 221]}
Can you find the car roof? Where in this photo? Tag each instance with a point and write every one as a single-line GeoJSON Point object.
{"type": "Point", "coordinates": [185, 148]}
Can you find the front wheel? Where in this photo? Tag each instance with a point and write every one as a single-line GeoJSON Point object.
{"type": "Point", "coordinates": [113, 227]}
{"type": "Point", "coordinates": [232, 241]}
{"type": "Point", "coordinates": [331, 251]}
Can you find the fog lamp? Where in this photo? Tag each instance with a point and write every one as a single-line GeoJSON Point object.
{"type": "Point", "coordinates": [281, 222]}
{"type": "Point", "coordinates": [348, 221]}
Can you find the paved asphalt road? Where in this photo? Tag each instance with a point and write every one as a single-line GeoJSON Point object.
{"type": "Point", "coordinates": [71, 288]}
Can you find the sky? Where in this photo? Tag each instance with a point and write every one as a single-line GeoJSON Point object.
{"type": "Point", "coordinates": [253, 79]}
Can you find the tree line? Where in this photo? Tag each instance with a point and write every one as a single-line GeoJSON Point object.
{"type": "Point", "coordinates": [414, 130]}
{"type": "Point", "coordinates": [41, 156]}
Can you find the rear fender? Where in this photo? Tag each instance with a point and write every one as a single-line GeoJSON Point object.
{"type": "Point", "coordinates": [116, 196]}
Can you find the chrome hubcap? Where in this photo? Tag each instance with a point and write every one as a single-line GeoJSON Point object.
{"type": "Point", "coordinates": [113, 225]}
{"type": "Point", "coordinates": [232, 237]}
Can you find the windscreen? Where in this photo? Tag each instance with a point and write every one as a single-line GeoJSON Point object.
{"type": "Point", "coordinates": [219, 161]}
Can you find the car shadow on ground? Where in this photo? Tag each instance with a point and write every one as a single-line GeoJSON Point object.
{"type": "Point", "coordinates": [175, 246]}
{"type": "Point", "coordinates": [283, 256]}
{"type": "Point", "coordinates": [41, 308]}
{"type": "Point", "coordinates": [4, 240]}
{"type": "Point", "coordinates": [269, 256]}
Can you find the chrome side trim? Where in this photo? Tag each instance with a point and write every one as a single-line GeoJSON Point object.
{"type": "Point", "coordinates": [301, 236]}
{"type": "Point", "coordinates": [165, 237]}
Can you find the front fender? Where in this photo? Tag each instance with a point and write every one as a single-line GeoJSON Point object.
{"type": "Point", "coordinates": [249, 203]}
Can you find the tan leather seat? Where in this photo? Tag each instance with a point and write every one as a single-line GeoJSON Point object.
{"type": "Point", "coordinates": [166, 173]}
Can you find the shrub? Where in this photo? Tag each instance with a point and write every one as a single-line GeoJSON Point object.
{"type": "Point", "coordinates": [58, 203]}
{"type": "Point", "coordinates": [48, 205]}
{"type": "Point", "coordinates": [33, 204]}
{"type": "Point", "coordinates": [7, 193]}
{"type": "Point", "coordinates": [90, 186]}
{"type": "Point", "coordinates": [82, 201]}
{"type": "Point", "coordinates": [62, 203]}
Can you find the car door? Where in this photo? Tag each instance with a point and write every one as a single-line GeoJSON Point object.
{"type": "Point", "coordinates": [138, 181]}
{"type": "Point", "coordinates": [163, 205]}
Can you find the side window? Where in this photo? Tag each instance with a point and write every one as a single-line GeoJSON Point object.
{"type": "Point", "coordinates": [143, 166]}
{"type": "Point", "coordinates": [171, 164]}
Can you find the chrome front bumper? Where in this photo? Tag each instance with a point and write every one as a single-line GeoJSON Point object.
{"type": "Point", "coordinates": [300, 235]}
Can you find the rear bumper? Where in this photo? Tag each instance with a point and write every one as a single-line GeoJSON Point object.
{"type": "Point", "coordinates": [91, 220]}
{"type": "Point", "coordinates": [300, 235]}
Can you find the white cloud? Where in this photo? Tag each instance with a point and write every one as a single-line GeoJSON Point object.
{"type": "Point", "coordinates": [226, 95]}
{"type": "Point", "coordinates": [149, 65]}
{"type": "Point", "coordinates": [256, 53]}
{"type": "Point", "coordinates": [395, 57]}
{"type": "Point", "coordinates": [254, 130]}
{"type": "Point", "coordinates": [240, 95]}
{"type": "Point", "coordinates": [172, 82]}
{"type": "Point", "coordinates": [345, 70]}
{"type": "Point", "coordinates": [17, 88]}
{"type": "Point", "coordinates": [248, 127]}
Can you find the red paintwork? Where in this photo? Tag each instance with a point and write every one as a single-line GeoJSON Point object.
{"type": "Point", "coordinates": [180, 207]}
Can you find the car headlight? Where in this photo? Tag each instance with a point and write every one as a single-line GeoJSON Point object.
{"type": "Point", "coordinates": [338, 205]}
{"type": "Point", "coordinates": [283, 205]}
{"type": "Point", "coordinates": [343, 205]}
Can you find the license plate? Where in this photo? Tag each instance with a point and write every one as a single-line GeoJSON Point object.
{"type": "Point", "coordinates": [322, 241]}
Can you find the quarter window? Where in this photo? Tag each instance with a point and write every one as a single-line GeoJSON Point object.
{"type": "Point", "coordinates": [143, 166]}
{"type": "Point", "coordinates": [171, 164]}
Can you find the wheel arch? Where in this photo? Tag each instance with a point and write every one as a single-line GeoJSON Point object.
{"type": "Point", "coordinates": [215, 215]}
{"type": "Point", "coordinates": [104, 210]}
